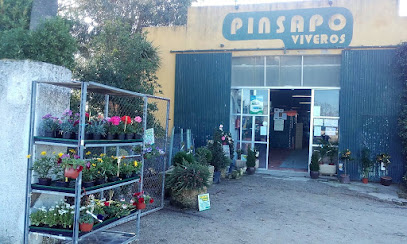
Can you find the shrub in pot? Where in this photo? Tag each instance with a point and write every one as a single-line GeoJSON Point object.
{"type": "Point", "coordinates": [186, 182]}
{"type": "Point", "coordinates": [384, 160]}
{"type": "Point", "coordinates": [42, 167]}
{"type": "Point", "coordinates": [367, 164]}
{"type": "Point", "coordinates": [180, 156]}
{"type": "Point", "coordinates": [314, 165]}
{"type": "Point", "coordinates": [251, 161]}
{"type": "Point", "coordinates": [86, 222]}
{"type": "Point", "coordinates": [219, 160]}
{"type": "Point", "coordinates": [203, 156]}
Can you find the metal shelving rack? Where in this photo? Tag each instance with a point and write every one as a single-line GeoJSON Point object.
{"type": "Point", "coordinates": [81, 144]}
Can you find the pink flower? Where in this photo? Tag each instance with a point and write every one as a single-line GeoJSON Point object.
{"type": "Point", "coordinates": [115, 120]}
{"type": "Point", "coordinates": [223, 138]}
{"type": "Point", "coordinates": [138, 119]}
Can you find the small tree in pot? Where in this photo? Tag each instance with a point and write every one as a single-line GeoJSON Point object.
{"type": "Point", "coordinates": [367, 164]}
{"type": "Point", "coordinates": [251, 161]}
{"type": "Point", "coordinates": [314, 165]}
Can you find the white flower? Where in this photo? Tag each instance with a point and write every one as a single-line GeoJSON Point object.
{"type": "Point", "coordinates": [124, 206]}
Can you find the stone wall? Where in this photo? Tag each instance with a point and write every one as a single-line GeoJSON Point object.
{"type": "Point", "coordinates": [15, 97]}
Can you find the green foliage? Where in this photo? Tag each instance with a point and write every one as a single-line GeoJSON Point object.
{"type": "Point", "coordinates": [188, 176]}
{"type": "Point", "coordinates": [383, 158]}
{"type": "Point", "coordinates": [60, 214]}
{"type": "Point", "coordinates": [315, 158]}
{"type": "Point", "coordinates": [219, 160]}
{"type": "Point", "coordinates": [43, 165]}
{"type": "Point", "coordinates": [86, 218]}
{"type": "Point", "coordinates": [181, 157]}
{"type": "Point", "coordinates": [203, 155]}
{"type": "Point", "coordinates": [366, 162]}
{"type": "Point", "coordinates": [51, 42]}
{"type": "Point", "coordinates": [15, 14]}
{"type": "Point", "coordinates": [251, 158]}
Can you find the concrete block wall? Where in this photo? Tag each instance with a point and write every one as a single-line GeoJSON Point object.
{"type": "Point", "coordinates": [15, 97]}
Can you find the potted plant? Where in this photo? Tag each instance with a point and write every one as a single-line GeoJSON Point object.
{"type": "Point", "coordinates": [126, 169]}
{"type": "Point", "coordinates": [67, 129]}
{"type": "Point", "coordinates": [112, 127]}
{"type": "Point", "coordinates": [384, 160]}
{"type": "Point", "coordinates": [314, 165]}
{"type": "Point", "coordinates": [86, 222]}
{"type": "Point", "coordinates": [111, 168]}
{"type": "Point", "coordinates": [345, 156]}
{"type": "Point", "coordinates": [219, 160]}
{"type": "Point", "coordinates": [49, 125]}
{"type": "Point", "coordinates": [42, 167]}
{"type": "Point", "coordinates": [203, 156]}
{"type": "Point", "coordinates": [138, 127]}
{"type": "Point", "coordinates": [251, 161]}
{"type": "Point", "coordinates": [72, 165]}
{"type": "Point", "coordinates": [328, 153]}
{"type": "Point", "coordinates": [88, 175]}
{"type": "Point", "coordinates": [367, 164]}
{"type": "Point", "coordinates": [140, 200]}
{"type": "Point", "coordinates": [182, 156]}
{"type": "Point", "coordinates": [186, 182]}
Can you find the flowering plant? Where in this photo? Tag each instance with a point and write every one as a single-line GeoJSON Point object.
{"type": "Point", "coordinates": [50, 123]}
{"type": "Point", "coordinates": [71, 161]}
{"type": "Point", "coordinates": [140, 197]}
{"type": "Point", "coordinates": [60, 214]}
{"type": "Point", "coordinates": [43, 165]}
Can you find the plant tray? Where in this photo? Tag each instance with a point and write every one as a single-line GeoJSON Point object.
{"type": "Point", "coordinates": [68, 232]}
{"type": "Point", "coordinates": [75, 141]}
{"type": "Point", "coordinates": [71, 188]}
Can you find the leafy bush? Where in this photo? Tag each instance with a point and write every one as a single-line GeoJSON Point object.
{"type": "Point", "coordinates": [203, 155]}
{"type": "Point", "coordinates": [180, 156]}
{"type": "Point", "coordinates": [367, 163]}
{"type": "Point", "coordinates": [219, 160]}
{"type": "Point", "coordinates": [187, 176]}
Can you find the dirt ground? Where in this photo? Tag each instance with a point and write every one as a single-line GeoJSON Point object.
{"type": "Point", "coordinates": [265, 209]}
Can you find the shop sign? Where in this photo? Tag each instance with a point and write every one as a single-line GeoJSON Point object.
{"type": "Point", "coordinates": [256, 104]}
{"type": "Point", "coordinates": [298, 29]}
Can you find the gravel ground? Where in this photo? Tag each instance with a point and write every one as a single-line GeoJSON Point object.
{"type": "Point", "coordinates": [264, 209]}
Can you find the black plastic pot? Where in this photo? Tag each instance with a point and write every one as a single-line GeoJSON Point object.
{"type": "Point", "coordinates": [110, 136]}
{"type": "Point", "coordinates": [44, 181]}
{"type": "Point", "coordinates": [88, 183]}
{"type": "Point", "coordinates": [251, 170]}
{"type": "Point", "coordinates": [121, 137]}
{"type": "Point", "coordinates": [216, 177]}
{"type": "Point", "coordinates": [386, 180]}
{"type": "Point", "coordinates": [112, 178]}
{"type": "Point", "coordinates": [314, 174]}
{"type": "Point", "coordinates": [66, 135]}
{"type": "Point", "coordinates": [138, 136]}
{"type": "Point", "coordinates": [100, 181]}
{"type": "Point", "coordinates": [62, 184]}
{"type": "Point", "coordinates": [129, 136]}
{"type": "Point", "coordinates": [97, 136]}
{"type": "Point", "coordinates": [49, 133]}
{"type": "Point", "coordinates": [345, 179]}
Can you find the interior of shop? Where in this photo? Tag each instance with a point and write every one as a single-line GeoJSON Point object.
{"type": "Point", "coordinates": [290, 111]}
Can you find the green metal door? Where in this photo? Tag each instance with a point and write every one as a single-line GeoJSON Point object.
{"type": "Point", "coordinates": [202, 93]}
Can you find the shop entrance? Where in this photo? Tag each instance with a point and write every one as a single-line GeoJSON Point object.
{"type": "Point", "coordinates": [289, 132]}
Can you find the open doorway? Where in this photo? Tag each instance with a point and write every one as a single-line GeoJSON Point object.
{"type": "Point", "coordinates": [289, 133]}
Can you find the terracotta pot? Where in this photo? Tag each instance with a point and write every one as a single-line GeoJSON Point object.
{"type": "Point", "coordinates": [85, 227]}
{"type": "Point", "coordinates": [140, 205]}
{"type": "Point", "coordinates": [365, 180]}
{"type": "Point", "coordinates": [71, 173]}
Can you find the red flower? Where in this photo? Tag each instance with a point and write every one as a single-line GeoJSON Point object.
{"type": "Point", "coordinates": [126, 119]}
{"type": "Point", "coordinates": [107, 204]}
{"type": "Point", "coordinates": [151, 200]}
{"type": "Point", "coordinates": [59, 160]}
{"type": "Point", "coordinates": [80, 168]}
{"type": "Point", "coordinates": [141, 200]}
{"type": "Point", "coordinates": [76, 122]}
{"type": "Point", "coordinates": [134, 203]}
{"type": "Point", "coordinates": [87, 115]}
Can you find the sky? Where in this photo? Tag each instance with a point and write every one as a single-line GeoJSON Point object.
{"type": "Point", "coordinates": [402, 9]}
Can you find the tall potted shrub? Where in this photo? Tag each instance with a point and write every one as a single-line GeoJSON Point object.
{"type": "Point", "coordinates": [314, 165]}
{"type": "Point", "coordinates": [251, 161]}
{"type": "Point", "coordinates": [367, 164]}
{"type": "Point", "coordinates": [203, 156]}
{"type": "Point", "coordinates": [219, 160]}
{"type": "Point", "coordinates": [384, 160]}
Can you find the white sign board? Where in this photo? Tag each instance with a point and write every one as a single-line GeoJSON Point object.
{"type": "Point", "coordinates": [279, 125]}
{"type": "Point", "coordinates": [149, 136]}
{"type": "Point", "coordinates": [204, 202]}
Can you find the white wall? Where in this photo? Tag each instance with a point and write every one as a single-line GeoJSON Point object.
{"type": "Point", "coordinates": [15, 96]}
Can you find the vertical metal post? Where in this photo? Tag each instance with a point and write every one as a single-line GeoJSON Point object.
{"type": "Point", "coordinates": [81, 144]}
{"type": "Point", "coordinates": [311, 128]}
{"type": "Point", "coordinates": [302, 70]}
{"type": "Point", "coordinates": [106, 115]}
{"type": "Point", "coordinates": [182, 139]}
{"type": "Point", "coordinates": [171, 146]}
{"type": "Point", "coordinates": [142, 161]}
{"type": "Point", "coordinates": [29, 160]}
{"type": "Point", "coordinates": [165, 150]}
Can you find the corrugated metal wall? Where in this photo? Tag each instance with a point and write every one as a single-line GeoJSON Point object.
{"type": "Point", "coordinates": [202, 93]}
{"type": "Point", "coordinates": [369, 106]}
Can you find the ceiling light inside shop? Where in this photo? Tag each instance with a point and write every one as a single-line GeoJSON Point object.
{"type": "Point", "coordinates": [305, 102]}
{"type": "Point", "coordinates": [301, 96]}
